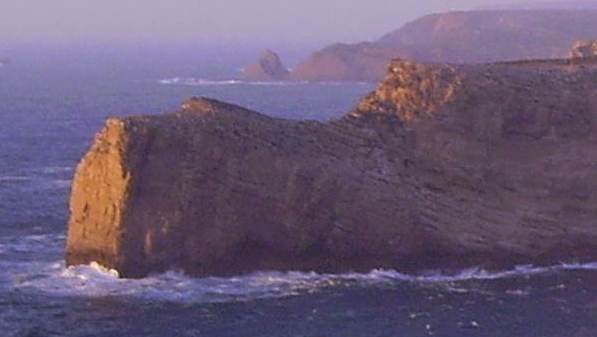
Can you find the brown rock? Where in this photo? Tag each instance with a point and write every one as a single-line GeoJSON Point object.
{"type": "Point", "coordinates": [364, 62]}
{"type": "Point", "coordinates": [442, 166]}
{"type": "Point", "coordinates": [269, 67]}
{"type": "Point", "coordinates": [455, 37]}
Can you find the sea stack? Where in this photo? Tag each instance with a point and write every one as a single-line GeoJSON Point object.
{"type": "Point", "coordinates": [583, 49]}
{"type": "Point", "coordinates": [269, 67]}
{"type": "Point", "coordinates": [442, 166]}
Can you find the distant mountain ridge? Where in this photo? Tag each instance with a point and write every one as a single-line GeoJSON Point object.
{"type": "Point", "coordinates": [565, 5]}
{"type": "Point", "coordinates": [455, 37]}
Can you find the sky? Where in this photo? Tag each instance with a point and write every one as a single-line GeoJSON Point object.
{"type": "Point", "coordinates": [248, 22]}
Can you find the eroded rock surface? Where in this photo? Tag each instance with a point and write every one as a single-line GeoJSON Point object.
{"type": "Point", "coordinates": [441, 166]}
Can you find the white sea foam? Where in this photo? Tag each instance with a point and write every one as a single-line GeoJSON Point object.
{"type": "Point", "coordinates": [51, 177]}
{"type": "Point", "coordinates": [53, 278]}
{"type": "Point", "coordinates": [59, 183]}
{"type": "Point", "coordinates": [96, 281]}
{"type": "Point", "coordinates": [197, 82]}
{"type": "Point", "coordinates": [204, 82]}
{"type": "Point", "coordinates": [54, 169]}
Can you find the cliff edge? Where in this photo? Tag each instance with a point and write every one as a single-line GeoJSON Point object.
{"type": "Point", "coordinates": [441, 166]}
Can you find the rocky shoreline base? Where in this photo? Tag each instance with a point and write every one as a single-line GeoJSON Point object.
{"type": "Point", "coordinates": [441, 166]}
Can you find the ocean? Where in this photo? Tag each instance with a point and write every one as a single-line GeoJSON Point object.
{"type": "Point", "coordinates": [52, 102]}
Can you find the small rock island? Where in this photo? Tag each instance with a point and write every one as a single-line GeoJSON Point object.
{"type": "Point", "coordinates": [584, 49]}
{"type": "Point", "coordinates": [442, 166]}
{"type": "Point", "coordinates": [269, 67]}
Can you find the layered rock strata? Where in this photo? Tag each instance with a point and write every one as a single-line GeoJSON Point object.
{"type": "Point", "coordinates": [442, 166]}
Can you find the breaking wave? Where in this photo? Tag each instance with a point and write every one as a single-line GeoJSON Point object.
{"type": "Point", "coordinates": [96, 281]}
{"type": "Point", "coordinates": [193, 81]}
{"type": "Point", "coordinates": [204, 82]}
{"type": "Point", "coordinates": [53, 278]}
{"type": "Point", "coordinates": [54, 169]}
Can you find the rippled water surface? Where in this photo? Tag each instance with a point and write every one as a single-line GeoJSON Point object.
{"type": "Point", "coordinates": [50, 108]}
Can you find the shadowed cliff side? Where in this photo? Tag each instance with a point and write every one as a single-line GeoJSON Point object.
{"type": "Point", "coordinates": [442, 166]}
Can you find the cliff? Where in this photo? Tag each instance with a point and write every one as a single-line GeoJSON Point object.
{"type": "Point", "coordinates": [345, 62]}
{"type": "Point", "coordinates": [269, 67]}
{"type": "Point", "coordinates": [456, 37]}
{"type": "Point", "coordinates": [442, 166]}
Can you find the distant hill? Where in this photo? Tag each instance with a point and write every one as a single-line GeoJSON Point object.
{"type": "Point", "coordinates": [455, 37]}
{"type": "Point", "coordinates": [572, 4]}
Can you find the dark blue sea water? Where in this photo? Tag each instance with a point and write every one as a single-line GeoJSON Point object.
{"type": "Point", "coordinates": [51, 105]}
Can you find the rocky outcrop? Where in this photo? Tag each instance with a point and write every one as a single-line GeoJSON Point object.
{"type": "Point", "coordinates": [442, 166]}
{"type": "Point", "coordinates": [583, 49]}
{"type": "Point", "coordinates": [455, 37]}
{"type": "Point", "coordinates": [269, 67]}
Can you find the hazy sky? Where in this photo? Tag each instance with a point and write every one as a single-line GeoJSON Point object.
{"type": "Point", "coordinates": [258, 22]}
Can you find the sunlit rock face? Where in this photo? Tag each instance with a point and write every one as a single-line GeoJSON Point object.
{"type": "Point", "coordinates": [441, 166]}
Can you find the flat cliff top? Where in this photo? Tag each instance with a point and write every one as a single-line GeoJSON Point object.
{"type": "Point", "coordinates": [413, 90]}
{"type": "Point", "coordinates": [442, 165]}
